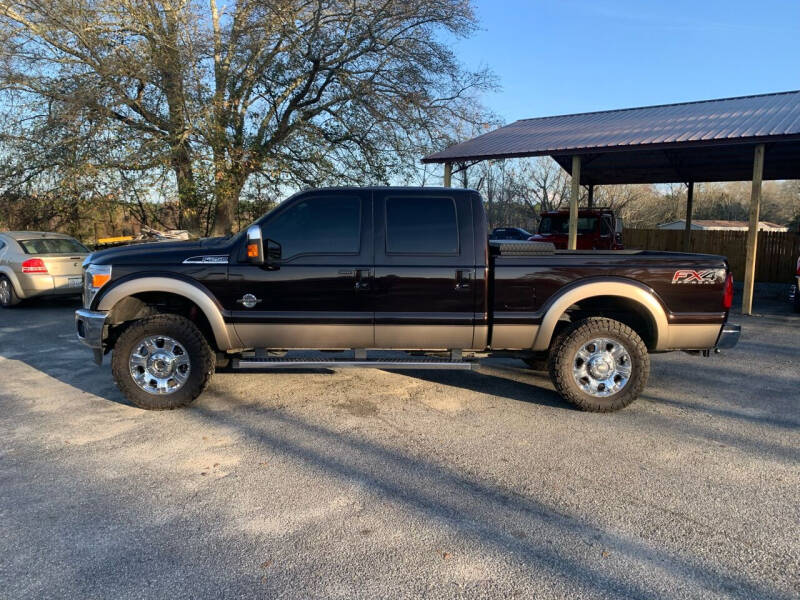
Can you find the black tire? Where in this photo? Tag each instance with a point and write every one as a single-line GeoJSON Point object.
{"type": "Point", "coordinates": [8, 297]}
{"type": "Point", "coordinates": [564, 360]}
{"type": "Point", "coordinates": [201, 358]}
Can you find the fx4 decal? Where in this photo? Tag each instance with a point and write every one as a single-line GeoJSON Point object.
{"type": "Point", "coordinates": [708, 276]}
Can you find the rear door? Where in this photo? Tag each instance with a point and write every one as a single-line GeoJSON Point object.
{"type": "Point", "coordinates": [320, 294]}
{"type": "Point", "coordinates": [424, 269]}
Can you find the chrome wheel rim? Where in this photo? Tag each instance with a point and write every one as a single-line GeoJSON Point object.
{"type": "Point", "coordinates": [601, 367]}
{"type": "Point", "coordinates": [159, 365]}
{"type": "Point", "coordinates": [5, 291]}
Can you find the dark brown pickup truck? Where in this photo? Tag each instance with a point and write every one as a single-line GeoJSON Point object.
{"type": "Point", "coordinates": [395, 278]}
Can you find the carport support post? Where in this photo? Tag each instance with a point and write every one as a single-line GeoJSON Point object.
{"type": "Point", "coordinates": [573, 203]}
{"type": "Point", "coordinates": [752, 233]}
{"type": "Point", "coordinates": [687, 232]}
{"type": "Point", "coordinates": [590, 197]}
{"type": "Point", "coordinates": [448, 174]}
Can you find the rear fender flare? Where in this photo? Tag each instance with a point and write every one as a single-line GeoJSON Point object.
{"type": "Point", "coordinates": [224, 336]}
{"type": "Point", "coordinates": [639, 293]}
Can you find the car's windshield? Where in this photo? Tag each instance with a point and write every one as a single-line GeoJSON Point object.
{"type": "Point", "coordinates": [561, 225]}
{"type": "Point", "coordinates": [53, 246]}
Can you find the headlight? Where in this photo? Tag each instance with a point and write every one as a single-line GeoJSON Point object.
{"type": "Point", "coordinates": [94, 277]}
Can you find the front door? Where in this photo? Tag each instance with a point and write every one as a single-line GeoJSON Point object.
{"type": "Point", "coordinates": [320, 293]}
{"type": "Point", "coordinates": [424, 270]}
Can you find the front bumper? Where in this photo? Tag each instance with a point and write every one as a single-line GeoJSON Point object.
{"type": "Point", "coordinates": [729, 336]}
{"type": "Point", "coordinates": [90, 326]}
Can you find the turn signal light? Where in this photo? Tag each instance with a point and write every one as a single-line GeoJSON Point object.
{"type": "Point", "coordinates": [100, 279]}
{"type": "Point", "coordinates": [727, 299]}
{"type": "Point", "coordinates": [34, 265]}
{"type": "Point", "coordinates": [252, 250]}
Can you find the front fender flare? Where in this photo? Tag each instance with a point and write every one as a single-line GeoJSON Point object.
{"type": "Point", "coordinates": [225, 337]}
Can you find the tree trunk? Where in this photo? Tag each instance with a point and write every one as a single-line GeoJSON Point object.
{"type": "Point", "coordinates": [188, 206]}
{"type": "Point", "coordinates": [228, 186]}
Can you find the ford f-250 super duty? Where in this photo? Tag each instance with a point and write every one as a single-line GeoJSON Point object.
{"type": "Point", "coordinates": [395, 278]}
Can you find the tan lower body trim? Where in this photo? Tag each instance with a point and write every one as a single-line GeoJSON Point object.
{"type": "Point", "coordinates": [513, 337]}
{"type": "Point", "coordinates": [690, 337]}
{"type": "Point", "coordinates": [423, 337]}
{"type": "Point", "coordinates": [293, 335]}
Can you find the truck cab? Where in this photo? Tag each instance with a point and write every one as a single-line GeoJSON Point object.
{"type": "Point", "coordinates": [598, 229]}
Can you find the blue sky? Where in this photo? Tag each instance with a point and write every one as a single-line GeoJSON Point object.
{"type": "Point", "coordinates": [565, 56]}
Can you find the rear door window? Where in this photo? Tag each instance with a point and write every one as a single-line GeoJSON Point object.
{"type": "Point", "coordinates": [420, 225]}
{"type": "Point", "coordinates": [52, 246]}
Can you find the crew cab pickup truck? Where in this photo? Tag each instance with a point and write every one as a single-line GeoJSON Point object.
{"type": "Point", "coordinates": [394, 278]}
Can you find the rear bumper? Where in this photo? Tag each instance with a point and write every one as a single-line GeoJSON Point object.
{"type": "Point", "coordinates": [729, 336]}
{"type": "Point", "coordinates": [90, 326]}
{"type": "Point", "coordinates": [48, 285]}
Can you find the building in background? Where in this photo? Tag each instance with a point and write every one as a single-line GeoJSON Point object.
{"type": "Point", "coordinates": [718, 224]}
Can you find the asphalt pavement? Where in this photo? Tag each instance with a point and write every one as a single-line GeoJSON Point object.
{"type": "Point", "coordinates": [372, 484]}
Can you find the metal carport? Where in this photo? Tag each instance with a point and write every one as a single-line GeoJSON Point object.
{"type": "Point", "coordinates": [730, 139]}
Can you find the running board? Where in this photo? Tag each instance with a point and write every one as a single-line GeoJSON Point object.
{"type": "Point", "coordinates": [337, 363]}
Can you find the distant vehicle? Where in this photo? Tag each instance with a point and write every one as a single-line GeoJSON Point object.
{"type": "Point", "coordinates": [35, 263]}
{"type": "Point", "coordinates": [598, 229]}
{"type": "Point", "coordinates": [510, 233]}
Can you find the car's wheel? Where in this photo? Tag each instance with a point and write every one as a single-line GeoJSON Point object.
{"type": "Point", "coordinates": [599, 365]}
{"type": "Point", "coordinates": [162, 362]}
{"type": "Point", "coordinates": [8, 297]}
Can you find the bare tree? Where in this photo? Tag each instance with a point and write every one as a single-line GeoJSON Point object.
{"type": "Point", "coordinates": [296, 92]}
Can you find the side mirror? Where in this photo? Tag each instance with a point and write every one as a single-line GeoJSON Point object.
{"type": "Point", "coordinates": [255, 246]}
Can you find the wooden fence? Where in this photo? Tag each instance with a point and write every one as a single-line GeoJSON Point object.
{"type": "Point", "coordinates": [777, 250]}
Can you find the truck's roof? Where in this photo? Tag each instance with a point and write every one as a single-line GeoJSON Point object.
{"type": "Point", "coordinates": [381, 188]}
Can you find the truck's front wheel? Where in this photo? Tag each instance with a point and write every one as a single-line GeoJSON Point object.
{"type": "Point", "coordinates": [599, 365]}
{"type": "Point", "coordinates": [162, 362]}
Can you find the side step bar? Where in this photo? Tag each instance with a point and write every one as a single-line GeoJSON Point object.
{"type": "Point", "coordinates": [338, 363]}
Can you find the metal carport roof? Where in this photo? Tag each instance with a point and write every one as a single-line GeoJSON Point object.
{"type": "Point", "coordinates": [655, 144]}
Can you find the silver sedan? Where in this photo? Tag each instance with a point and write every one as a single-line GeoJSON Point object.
{"type": "Point", "coordinates": [34, 263]}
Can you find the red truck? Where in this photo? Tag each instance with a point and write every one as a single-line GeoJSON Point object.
{"type": "Point", "coordinates": [598, 229]}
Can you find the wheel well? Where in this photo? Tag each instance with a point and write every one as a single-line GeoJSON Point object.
{"type": "Point", "coordinates": [627, 311]}
{"type": "Point", "coordinates": [145, 304]}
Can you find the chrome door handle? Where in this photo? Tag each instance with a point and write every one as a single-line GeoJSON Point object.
{"type": "Point", "coordinates": [463, 278]}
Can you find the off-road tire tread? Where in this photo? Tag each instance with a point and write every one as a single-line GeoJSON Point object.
{"type": "Point", "coordinates": [189, 335]}
{"type": "Point", "coordinates": [15, 300]}
{"type": "Point", "coordinates": [560, 364]}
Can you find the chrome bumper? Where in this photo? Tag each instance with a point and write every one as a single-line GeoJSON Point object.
{"type": "Point", "coordinates": [90, 328]}
{"type": "Point", "coordinates": [729, 336]}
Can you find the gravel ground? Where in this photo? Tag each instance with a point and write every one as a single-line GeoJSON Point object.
{"type": "Point", "coordinates": [370, 484]}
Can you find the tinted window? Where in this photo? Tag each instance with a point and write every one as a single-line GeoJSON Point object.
{"type": "Point", "coordinates": [53, 246]}
{"type": "Point", "coordinates": [421, 226]}
{"type": "Point", "coordinates": [327, 225]}
{"type": "Point", "coordinates": [561, 225]}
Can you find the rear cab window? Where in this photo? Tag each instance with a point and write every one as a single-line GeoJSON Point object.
{"type": "Point", "coordinates": [52, 246]}
{"type": "Point", "coordinates": [421, 225]}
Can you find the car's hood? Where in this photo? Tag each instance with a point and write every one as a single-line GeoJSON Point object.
{"type": "Point", "coordinates": [162, 252]}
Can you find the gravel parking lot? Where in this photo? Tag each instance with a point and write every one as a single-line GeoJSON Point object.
{"type": "Point", "coordinates": [371, 484]}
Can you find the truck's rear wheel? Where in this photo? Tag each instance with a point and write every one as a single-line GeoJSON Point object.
{"type": "Point", "coordinates": [599, 365]}
{"type": "Point", "coordinates": [162, 362]}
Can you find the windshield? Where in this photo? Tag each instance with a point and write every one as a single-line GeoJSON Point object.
{"type": "Point", "coordinates": [53, 246]}
{"type": "Point", "coordinates": [561, 225]}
